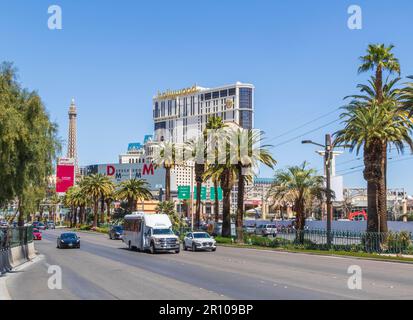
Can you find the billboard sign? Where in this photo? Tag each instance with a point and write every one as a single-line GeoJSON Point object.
{"type": "Point", "coordinates": [155, 177]}
{"type": "Point", "coordinates": [65, 175]}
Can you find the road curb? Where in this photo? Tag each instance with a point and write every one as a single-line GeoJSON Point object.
{"type": "Point", "coordinates": [317, 254]}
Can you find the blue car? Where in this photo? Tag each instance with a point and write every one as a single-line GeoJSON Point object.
{"type": "Point", "coordinates": [68, 240]}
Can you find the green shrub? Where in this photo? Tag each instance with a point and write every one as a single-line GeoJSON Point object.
{"type": "Point", "coordinates": [224, 240]}
{"type": "Point", "coordinates": [398, 242]}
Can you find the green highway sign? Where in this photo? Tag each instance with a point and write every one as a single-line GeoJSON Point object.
{"type": "Point", "coordinates": [184, 192]}
{"type": "Point", "coordinates": [212, 194]}
{"type": "Point", "coordinates": [203, 193]}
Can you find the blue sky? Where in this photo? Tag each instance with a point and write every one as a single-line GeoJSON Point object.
{"type": "Point", "coordinates": [113, 56]}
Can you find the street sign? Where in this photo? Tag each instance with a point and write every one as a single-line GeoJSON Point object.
{"type": "Point", "coordinates": [184, 192]}
{"type": "Point", "coordinates": [203, 193]}
{"type": "Point", "coordinates": [212, 194]}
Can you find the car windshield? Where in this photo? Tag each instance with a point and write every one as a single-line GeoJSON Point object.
{"type": "Point", "coordinates": [162, 231]}
{"type": "Point", "coordinates": [35, 230]}
{"type": "Point", "coordinates": [201, 235]}
{"type": "Point", "coordinates": [117, 228]}
{"type": "Point", "coordinates": [68, 236]}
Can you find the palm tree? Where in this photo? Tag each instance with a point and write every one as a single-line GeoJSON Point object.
{"type": "Point", "coordinates": [250, 153]}
{"type": "Point", "coordinates": [197, 152]}
{"type": "Point", "coordinates": [132, 191]}
{"type": "Point", "coordinates": [407, 97]}
{"type": "Point", "coordinates": [372, 127]}
{"type": "Point", "coordinates": [110, 197]}
{"type": "Point", "coordinates": [298, 185]}
{"type": "Point", "coordinates": [216, 124]}
{"type": "Point", "coordinates": [74, 199]}
{"type": "Point", "coordinates": [168, 207]}
{"type": "Point", "coordinates": [392, 97]}
{"type": "Point", "coordinates": [166, 155]}
{"type": "Point", "coordinates": [96, 186]}
{"type": "Point", "coordinates": [380, 58]}
{"type": "Point", "coordinates": [226, 174]}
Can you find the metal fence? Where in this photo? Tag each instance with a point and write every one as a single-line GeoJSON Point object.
{"type": "Point", "coordinates": [13, 237]}
{"type": "Point", "coordinates": [391, 242]}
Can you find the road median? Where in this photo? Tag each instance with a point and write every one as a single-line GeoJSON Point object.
{"type": "Point", "coordinates": [331, 253]}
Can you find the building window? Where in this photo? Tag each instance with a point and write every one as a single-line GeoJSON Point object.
{"type": "Point", "coordinates": [245, 119]}
{"type": "Point", "coordinates": [215, 95]}
{"type": "Point", "coordinates": [245, 98]}
{"type": "Point", "coordinates": [207, 96]}
{"type": "Point", "coordinates": [232, 92]}
{"type": "Point", "coordinates": [224, 93]}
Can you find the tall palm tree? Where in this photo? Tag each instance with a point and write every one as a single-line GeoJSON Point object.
{"type": "Point", "coordinates": [196, 151]}
{"type": "Point", "coordinates": [216, 124]}
{"type": "Point", "coordinates": [166, 156]}
{"type": "Point", "coordinates": [79, 200]}
{"type": "Point", "coordinates": [132, 191]}
{"type": "Point", "coordinates": [96, 186]}
{"type": "Point", "coordinates": [380, 58]}
{"type": "Point", "coordinates": [371, 128]}
{"type": "Point", "coordinates": [298, 185]}
{"type": "Point", "coordinates": [249, 154]}
{"type": "Point", "coordinates": [392, 97]}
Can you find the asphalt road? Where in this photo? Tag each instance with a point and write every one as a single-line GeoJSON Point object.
{"type": "Point", "coordinates": [105, 269]}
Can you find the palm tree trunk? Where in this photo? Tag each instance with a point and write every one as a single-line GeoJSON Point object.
{"type": "Point", "coordinates": [382, 194]}
{"type": "Point", "coordinates": [74, 216]}
{"type": "Point", "coordinates": [167, 183]}
{"type": "Point", "coordinates": [226, 186]}
{"type": "Point", "coordinates": [379, 84]}
{"type": "Point", "coordinates": [240, 205]}
{"type": "Point", "coordinates": [108, 209]}
{"type": "Point", "coordinates": [382, 191]}
{"type": "Point", "coordinates": [102, 210]}
{"type": "Point", "coordinates": [216, 201]}
{"type": "Point", "coordinates": [95, 216]}
{"type": "Point", "coordinates": [372, 174]}
{"type": "Point", "coordinates": [199, 170]}
{"type": "Point", "coordinates": [300, 221]}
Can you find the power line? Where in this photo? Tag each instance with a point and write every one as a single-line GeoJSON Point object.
{"type": "Point", "coordinates": [305, 133]}
{"type": "Point", "coordinates": [346, 162]}
{"type": "Point", "coordinates": [304, 125]}
{"type": "Point", "coordinates": [390, 162]}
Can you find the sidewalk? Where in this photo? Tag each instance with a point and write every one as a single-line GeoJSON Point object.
{"type": "Point", "coordinates": [4, 293]}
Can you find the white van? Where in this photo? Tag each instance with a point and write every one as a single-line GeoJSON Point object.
{"type": "Point", "coordinates": [153, 232]}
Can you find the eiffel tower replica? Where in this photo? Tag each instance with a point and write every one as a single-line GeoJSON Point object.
{"type": "Point", "coordinates": [72, 138]}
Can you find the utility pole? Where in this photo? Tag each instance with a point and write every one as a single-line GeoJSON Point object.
{"type": "Point", "coordinates": [328, 158]}
{"type": "Point", "coordinates": [327, 164]}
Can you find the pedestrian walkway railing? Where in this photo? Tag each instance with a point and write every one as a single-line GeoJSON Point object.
{"type": "Point", "coordinates": [390, 242]}
{"type": "Point", "coordinates": [13, 237]}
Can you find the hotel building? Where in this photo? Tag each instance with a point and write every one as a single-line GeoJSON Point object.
{"type": "Point", "coordinates": [183, 114]}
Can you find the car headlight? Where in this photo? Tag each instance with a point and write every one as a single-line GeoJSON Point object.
{"type": "Point", "coordinates": [77, 240]}
{"type": "Point", "coordinates": [62, 241]}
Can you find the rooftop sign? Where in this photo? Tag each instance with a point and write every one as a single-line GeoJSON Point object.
{"type": "Point", "coordinates": [176, 93]}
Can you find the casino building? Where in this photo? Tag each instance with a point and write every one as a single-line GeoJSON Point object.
{"type": "Point", "coordinates": [182, 115]}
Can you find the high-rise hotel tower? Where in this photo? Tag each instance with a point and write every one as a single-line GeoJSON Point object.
{"type": "Point", "coordinates": [182, 115]}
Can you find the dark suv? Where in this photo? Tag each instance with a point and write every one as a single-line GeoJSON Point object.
{"type": "Point", "coordinates": [116, 232]}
